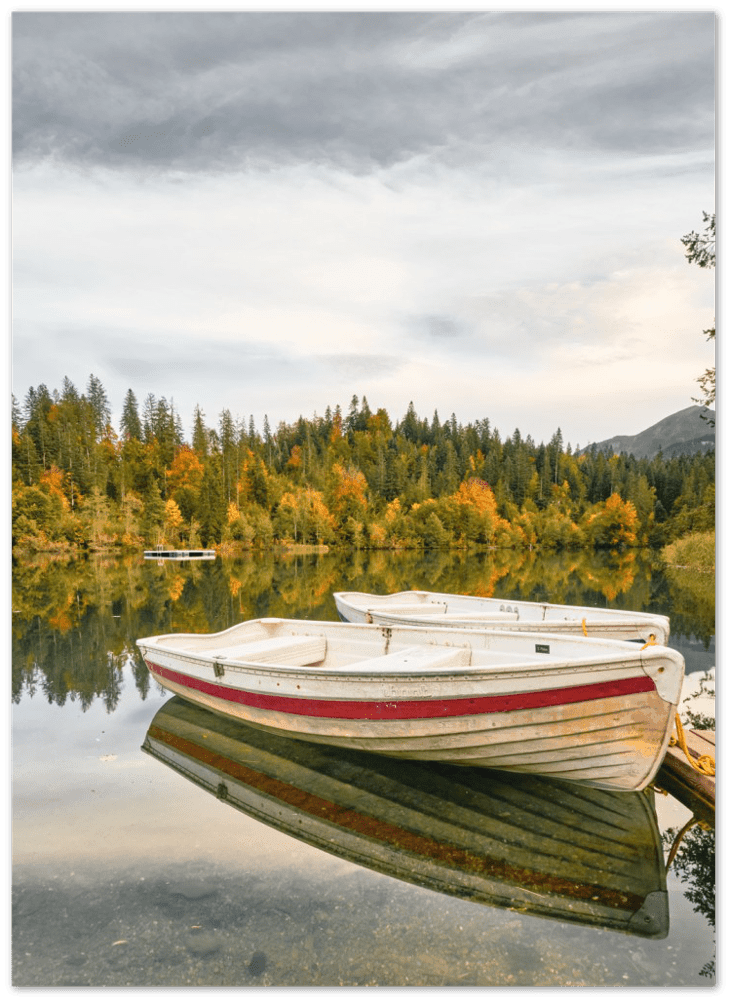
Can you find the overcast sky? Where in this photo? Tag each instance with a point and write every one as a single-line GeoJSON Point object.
{"type": "Point", "coordinates": [480, 213]}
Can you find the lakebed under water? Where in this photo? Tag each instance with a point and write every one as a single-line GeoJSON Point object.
{"type": "Point", "coordinates": [130, 872]}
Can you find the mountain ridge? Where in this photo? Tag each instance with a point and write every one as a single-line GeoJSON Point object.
{"type": "Point", "coordinates": [685, 432]}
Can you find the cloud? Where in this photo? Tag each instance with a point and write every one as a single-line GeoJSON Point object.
{"type": "Point", "coordinates": [439, 327]}
{"type": "Point", "coordinates": [225, 91]}
{"type": "Point", "coordinates": [361, 366]}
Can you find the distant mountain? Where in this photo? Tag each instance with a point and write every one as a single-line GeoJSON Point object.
{"type": "Point", "coordinates": [683, 433]}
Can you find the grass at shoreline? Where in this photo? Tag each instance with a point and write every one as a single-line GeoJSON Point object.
{"type": "Point", "coordinates": [696, 551]}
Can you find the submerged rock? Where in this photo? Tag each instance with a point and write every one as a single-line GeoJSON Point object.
{"type": "Point", "coordinates": [191, 889]}
{"type": "Point", "coordinates": [257, 963]}
{"type": "Point", "coordinates": [203, 944]}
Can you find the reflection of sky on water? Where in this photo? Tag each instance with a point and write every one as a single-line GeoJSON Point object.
{"type": "Point", "coordinates": [696, 656]}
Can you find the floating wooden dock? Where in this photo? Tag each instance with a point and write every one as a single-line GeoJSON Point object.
{"type": "Point", "coordinates": [695, 789]}
{"type": "Point", "coordinates": [180, 554]}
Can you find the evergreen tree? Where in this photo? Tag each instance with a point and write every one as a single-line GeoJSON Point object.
{"type": "Point", "coordinates": [154, 513]}
{"type": "Point", "coordinates": [213, 506]}
{"type": "Point", "coordinates": [38, 403]}
{"type": "Point", "coordinates": [149, 418]}
{"type": "Point", "coordinates": [267, 438]}
{"type": "Point", "coordinates": [96, 395]}
{"type": "Point", "coordinates": [229, 454]}
{"type": "Point", "coordinates": [199, 433]}
{"type": "Point", "coordinates": [131, 426]}
{"type": "Point", "coordinates": [409, 426]}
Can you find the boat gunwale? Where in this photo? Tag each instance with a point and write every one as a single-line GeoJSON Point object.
{"type": "Point", "coordinates": [617, 654]}
{"type": "Point", "coordinates": [525, 669]}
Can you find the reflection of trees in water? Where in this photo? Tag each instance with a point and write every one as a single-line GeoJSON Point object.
{"type": "Point", "coordinates": [75, 624]}
{"type": "Point", "coordinates": [693, 595]}
{"type": "Point", "coordinates": [695, 866]}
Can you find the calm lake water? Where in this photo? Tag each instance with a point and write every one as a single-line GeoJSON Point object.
{"type": "Point", "coordinates": [132, 869]}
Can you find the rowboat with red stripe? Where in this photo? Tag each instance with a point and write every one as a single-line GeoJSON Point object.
{"type": "Point", "coordinates": [595, 711]}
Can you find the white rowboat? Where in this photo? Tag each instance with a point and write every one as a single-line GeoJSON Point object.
{"type": "Point", "coordinates": [421, 607]}
{"type": "Point", "coordinates": [590, 710]}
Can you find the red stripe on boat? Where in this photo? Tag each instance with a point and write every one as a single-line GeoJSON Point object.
{"type": "Point", "coordinates": [431, 708]}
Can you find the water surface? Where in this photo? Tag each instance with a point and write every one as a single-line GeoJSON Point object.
{"type": "Point", "coordinates": [128, 873]}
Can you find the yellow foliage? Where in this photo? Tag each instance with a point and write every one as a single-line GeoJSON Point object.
{"type": "Point", "coordinates": [233, 512]}
{"type": "Point", "coordinates": [52, 481]}
{"type": "Point", "coordinates": [378, 535]}
{"type": "Point", "coordinates": [336, 428]}
{"type": "Point", "coordinates": [392, 511]}
{"type": "Point", "coordinates": [186, 470]}
{"type": "Point", "coordinates": [347, 491]}
{"type": "Point", "coordinates": [173, 515]}
{"type": "Point", "coordinates": [476, 493]}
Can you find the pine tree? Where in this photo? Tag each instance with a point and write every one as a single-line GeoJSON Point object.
{"type": "Point", "coordinates": [96, 395]}
{"type": "Point", "coordinates": [212, 507]}
{"type": "Point", "coordinates": [229, 453]}
{"type": "Point", "coordinates": [199, 433]}
{"type": "Point", "coordinates": [131, 426]}
{"type": "Point", "coordinates": [154, 512]}
{"type": "Point", "coordinates": [149, 418]}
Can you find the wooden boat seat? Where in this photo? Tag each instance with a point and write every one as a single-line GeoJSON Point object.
{"type": "Point", "coordinates": [285, 650]}
{"type": "Point", "coordinates": [483, 616]}
{"type": "Point", "coordinates": [421, 610]}
{"type": "Point", "coordinates": [408, 609]}
{"type": "Point", "coordinates": [412, 658]}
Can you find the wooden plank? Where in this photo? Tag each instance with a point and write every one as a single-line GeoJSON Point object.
{"type": "Point", "coordinates": [290, 650]}
{"type": "Point", "coordinates": [696, 790]}
{"type": "Point", "coordinates": [705, 734]}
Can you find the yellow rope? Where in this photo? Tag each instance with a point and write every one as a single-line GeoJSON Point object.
{"type": "Point", "coordinates": [656, 789]}
{"type": "Point", "coordinates": [705, 763]}
{"type": "Point", "coordinates": [651, 641]}
{"type": "Point", "coordinates": [584, 626]}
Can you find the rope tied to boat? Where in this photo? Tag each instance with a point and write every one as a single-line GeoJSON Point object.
{"type": "Point", "coordinates": [705, 763]}
{"type": "Point", "coordinates": [651, 641]}
{"type": "Point", "coordinates": [584, 626]}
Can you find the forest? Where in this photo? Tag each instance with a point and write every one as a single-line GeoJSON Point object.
{"type": "Point", "coordinates": [352, 480]}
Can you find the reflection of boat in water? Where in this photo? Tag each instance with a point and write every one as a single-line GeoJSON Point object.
{"type": "Point", "coordinates": [597, 711]}
{"type": "Point", "coordinates": [177, 554]}
{"type": "Point", "coordinates": [535, 845]}
{"type": "Point", "coordinates": [421, 607]}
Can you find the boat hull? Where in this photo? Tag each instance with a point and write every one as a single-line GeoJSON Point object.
{"type": "Point", "coordinates": [605, 723]}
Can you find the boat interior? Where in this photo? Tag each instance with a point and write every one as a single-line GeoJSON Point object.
{"type": "Point", "coordinates": [467, 608]}
{"type": "Point", "coordinates": [368, 649]}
